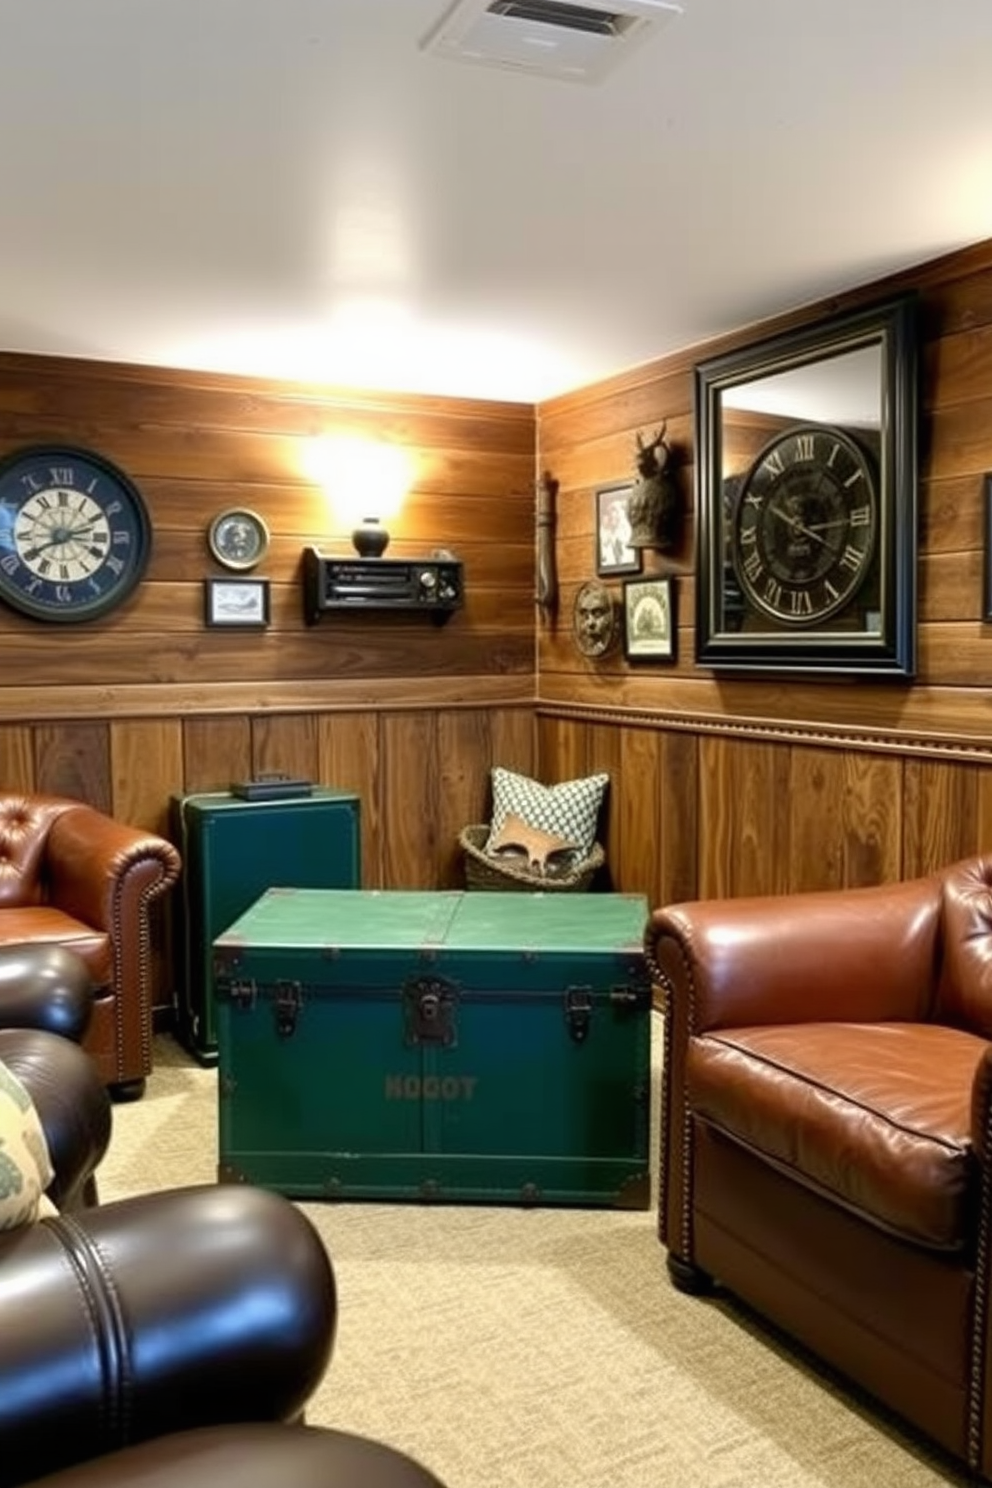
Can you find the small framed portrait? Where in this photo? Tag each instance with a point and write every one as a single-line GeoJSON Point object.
{"type": "Point", "coordinates": [649, 629]}
{"type": "Point", "coordinates": [236, 603]}
{"type": "Point", "coordinates": [614, 555]}
{"type": "Point", "coordinates": [238, 538]}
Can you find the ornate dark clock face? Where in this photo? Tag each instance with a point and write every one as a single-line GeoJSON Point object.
{"type": "Point", "coordinates": [804, 527]}
{"type": "Point", "coordinates": [74, 533]}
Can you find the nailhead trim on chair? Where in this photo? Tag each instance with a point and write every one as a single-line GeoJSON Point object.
{"type": "Point", "coordinates": [685, 1215]}
{"type": "Point", "coordinates": [149, 895]}
{"type": "Point", "coordinates": [976, 1372]}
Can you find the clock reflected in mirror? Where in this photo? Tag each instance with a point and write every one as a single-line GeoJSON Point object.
{"type": "Point", "coordinates": [803, 531]}
{"type": "Point", "coordinates": [806, 498]}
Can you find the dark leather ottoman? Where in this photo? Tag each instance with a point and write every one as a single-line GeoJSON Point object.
{"type": "Point", "coordinates": [253, 1456]}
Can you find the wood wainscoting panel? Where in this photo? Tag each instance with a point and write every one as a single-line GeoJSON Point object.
{"type": "Point", "coordinates": [744, 818]}
{"type": "Point", "coordinates": [649, 828]}
{"type": "Point", "coordinates": [702, 815]}
{"type": "Point", "coordinates": [948, 808]}
{"type": "Point", "coordinates": [410, 785]}
{"type": "Point", "coordinates": [73, 759]}
{"type": "Point", "coordinates": [146, 759]}
{"type": "Point", "coordinates": [604, 753]}
{"type": "Point", "coordinates": [513, 743]}
{"type": "Point", "coordinates": [350, 759]}
{"type": "Point", "coordinates": [215, 752]}
{"type": "Point", "coordinates": [285, 744]}
{"type": "Point", "coordinates": [17, 758]}
{"type": "Point", "coordinates": [845, 819]}
{"type": "Point", "coordinates": [463, 740]}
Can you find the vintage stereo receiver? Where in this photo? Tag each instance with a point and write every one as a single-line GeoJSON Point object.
{"type": "Point", "coordinates": [433, 586]}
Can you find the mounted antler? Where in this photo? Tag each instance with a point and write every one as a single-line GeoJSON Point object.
{"type": "Point", "coordinates": [653, 507]}
{"type": "Point", "coordinates": [648, 462]}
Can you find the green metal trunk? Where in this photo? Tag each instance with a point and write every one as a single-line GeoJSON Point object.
{"type": "Point", "coordinates": [232, 851]}
{"type": "Point", "coordinates": [484, 1048]}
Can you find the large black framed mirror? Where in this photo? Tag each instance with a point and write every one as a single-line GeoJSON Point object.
{"type": "Point", "coordinates": [806, 498]}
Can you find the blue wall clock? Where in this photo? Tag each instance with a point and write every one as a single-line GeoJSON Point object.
{"type": "Point", "coordinates": [75, 536]}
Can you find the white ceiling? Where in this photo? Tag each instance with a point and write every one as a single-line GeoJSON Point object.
{"type": "Point", "coordinates": [293, 188]}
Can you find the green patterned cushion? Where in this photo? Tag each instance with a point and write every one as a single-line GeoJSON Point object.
{"type": "Point", "coordinates": [569, 810]}
{"type": "Point", "coordinates": [25, 1165]}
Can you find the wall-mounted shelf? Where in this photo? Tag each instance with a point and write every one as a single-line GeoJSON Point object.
{"type": "Point", "coordinates": [426, 586]}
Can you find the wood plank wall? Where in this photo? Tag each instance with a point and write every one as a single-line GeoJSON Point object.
{"type": "Point", "coordinates": [126, 711]}
{"type": "Point", "coordinates": [726, 786]}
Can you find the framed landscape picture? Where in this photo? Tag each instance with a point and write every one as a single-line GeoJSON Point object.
{"type": "Point", "coordinates": [236, 602]}
{"type": "Point", "coordinates": [614, 555]}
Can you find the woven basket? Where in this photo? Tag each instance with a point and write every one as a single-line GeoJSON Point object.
{"type": "Point", "coordinates": [483, 872]}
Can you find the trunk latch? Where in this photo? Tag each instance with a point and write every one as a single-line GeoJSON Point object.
{"type": "Point", "coordinates": [430, 1005]}
{"type": "Point", "coordinates": [578, 1012]}
{"type": "Point", "coordinates": [288, 1001]}
{"type": "Point", "coordinates": [243, 993]}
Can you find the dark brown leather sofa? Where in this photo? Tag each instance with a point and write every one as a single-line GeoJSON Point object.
{"type": "Point", "coordinates": [166, 1341]}
{"type": "Point", "coordinates": [71, 876]}
{"type": "Point", "coordinates": [827, 1129]}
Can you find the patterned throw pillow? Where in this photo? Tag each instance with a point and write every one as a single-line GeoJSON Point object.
{"type": "Point", "coordinates": [569, 810]}
{"type": "Point", "coordinates": [25, 1165]}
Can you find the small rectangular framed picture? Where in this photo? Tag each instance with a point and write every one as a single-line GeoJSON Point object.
{"type": "Point", "coordinates": [649, 626]}
{"type": "Point", "coordinates": [236, 603]}
{"type": "Point", "coordinates": [987, 569]}
{"type": "Point", "coordinates": [614, 555]}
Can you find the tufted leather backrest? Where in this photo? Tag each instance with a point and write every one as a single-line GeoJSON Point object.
{"type": "Point", "coordinates": [24, 826]}
{"type": "Point", "coordinates": [964, 992]}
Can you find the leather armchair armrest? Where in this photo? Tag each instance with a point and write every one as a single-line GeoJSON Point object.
{"type": "Point", "coordinates": [46, 987]}
{"type": "Point", "coordinates": [93, 862]}
{"type": "Point", "coordinates": [72, 1105]}
{"type": "Point", "coordinates": [196, 1307]}
{"type": "Point", "coordinates": [981, 1110]}
{"type": "Point", "coordinates": [854, 955]}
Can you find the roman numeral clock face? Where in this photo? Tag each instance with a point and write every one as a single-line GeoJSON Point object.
{"type": "Point", "coordinates": [804, 526]}
{"type": "Point", "coordinates": [74, 533]}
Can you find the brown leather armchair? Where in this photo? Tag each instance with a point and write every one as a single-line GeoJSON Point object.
{"type": "Point", "coordinates": [165, 1341]}
{"type": "Point", "coordinates": [71, 876]}
{"type": "Point", "coordinates": [826, 1115]}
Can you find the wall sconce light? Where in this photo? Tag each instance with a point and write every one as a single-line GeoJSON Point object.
{"type": "Point", "coordinates": [366, 482]}
{"type": "Point", "coordinates": [370, 539]}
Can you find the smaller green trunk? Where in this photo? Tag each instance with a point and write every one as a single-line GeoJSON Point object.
{"type": "Point", "coordinates": [232, 851]}
{"type": "Point", "coordinates": [481, 1048]}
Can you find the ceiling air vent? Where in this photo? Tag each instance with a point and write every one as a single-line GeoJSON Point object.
{"type": "Point", "coordinates": [556, 38]}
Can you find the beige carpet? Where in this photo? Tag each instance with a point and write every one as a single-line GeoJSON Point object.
{"type": "Point", "coordinates": [540, 1348]}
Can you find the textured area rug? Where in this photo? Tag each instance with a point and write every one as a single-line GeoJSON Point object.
{"type": "Point", "coordinates": [540, 1348]}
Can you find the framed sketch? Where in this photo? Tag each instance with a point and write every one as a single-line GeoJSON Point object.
{"type": "Point", "coordinates": [237, 602]}
{"type": "Point", "coordinates": [649, 619]}
{"type": "Point", "coordinates": [614, 555]}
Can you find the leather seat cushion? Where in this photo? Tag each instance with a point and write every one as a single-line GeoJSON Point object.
{"type": "Point", "coordinates": [43, 923]}
{"type": "Point", "coordinates": [876, 1116]}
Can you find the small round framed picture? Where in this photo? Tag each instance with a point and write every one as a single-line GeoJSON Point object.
{"type": "Point", "coordinates": [238, 538]}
